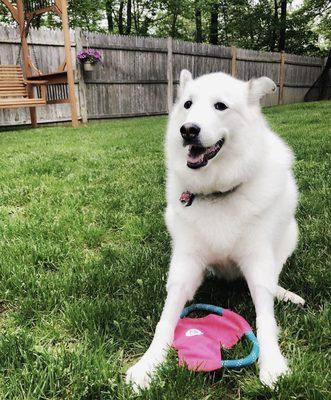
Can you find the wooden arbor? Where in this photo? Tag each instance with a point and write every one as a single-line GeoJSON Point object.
{"type": "Point", "coordinates": [60, 84]}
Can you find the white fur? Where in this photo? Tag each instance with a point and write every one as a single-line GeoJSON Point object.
{"type": "Point", "coordinates": [250, 232]}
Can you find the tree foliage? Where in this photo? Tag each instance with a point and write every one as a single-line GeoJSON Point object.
{"type": "Point", "coordinates": [270, 25]}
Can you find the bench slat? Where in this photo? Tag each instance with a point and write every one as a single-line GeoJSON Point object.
{"type": "Point", "coordinates": [22, 103]}
{"type": "Point", "coordinates": [25, 102]}
{"type": "Point", "coordinates": [13, 94]}
{"type": "Point", "coordinates": [13, 89]}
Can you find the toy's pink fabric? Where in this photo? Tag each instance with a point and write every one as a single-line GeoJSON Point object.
{"type": "Point", "coordinates": [198, 340]}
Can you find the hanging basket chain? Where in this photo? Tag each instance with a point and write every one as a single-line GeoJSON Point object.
{"type": "Point", "coordinates": [34, 53]}
{"type": "Point", "coordinates": [18, 59]}
{"type": "Point", "coordinates": [35, 59]}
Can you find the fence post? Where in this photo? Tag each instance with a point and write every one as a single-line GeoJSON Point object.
{"type": "Point", "coordinates": [233, 61]}
{"type": "Point", "coordinates": [281, 78]}
{"type": "Point", "coordinates": [323, 63]}
{"type": "Point", "coordinates": [170, 89]}
{"type": "Point", "coordinates": [80, 77]}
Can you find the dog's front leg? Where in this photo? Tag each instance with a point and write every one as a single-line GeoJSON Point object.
{"type": "Point", "coordinates": [185, 276]}
{"type": "Point", "coordinates": [262, 278]}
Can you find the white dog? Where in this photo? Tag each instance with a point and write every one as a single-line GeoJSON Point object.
{"type": "Point", "coordinates": [231, 202]}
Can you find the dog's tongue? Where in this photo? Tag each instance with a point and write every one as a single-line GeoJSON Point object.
{"type": "Point", "coordinates": [195, 159]}
{"type": "Point", "coordinates": [199, 156]}
{"type": "Point", "coordinates": [196, 154]}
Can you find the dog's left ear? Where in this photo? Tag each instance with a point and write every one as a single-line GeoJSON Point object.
{"type": "Point", "coordinates": [257, 88]}
{"type": "Point", "coordinates": [185, 76]}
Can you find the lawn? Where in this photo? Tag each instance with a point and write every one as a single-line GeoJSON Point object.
{"type": "Point", "coordinates": [84, 258]}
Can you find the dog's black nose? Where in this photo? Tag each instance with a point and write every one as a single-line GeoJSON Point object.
{"type": "Point", "coordinates": [189, 131]}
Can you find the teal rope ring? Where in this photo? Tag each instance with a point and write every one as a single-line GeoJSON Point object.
{"type": "Point", "coordinates": [235, 363]}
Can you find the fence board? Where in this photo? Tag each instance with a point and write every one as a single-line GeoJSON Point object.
{"type": "Point", "coordinates": [133, 79]}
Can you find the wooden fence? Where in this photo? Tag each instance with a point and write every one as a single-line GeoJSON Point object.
{"type": "Point", "coordinates": [139, 75]}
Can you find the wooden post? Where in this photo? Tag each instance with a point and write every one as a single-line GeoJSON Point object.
{"type": "Point", "coordinates": [70, 72]}
{"type": "Point", "coordinates": [323, 84]}
{"type": "Point", "coordinates": [26, 57]}
{"type": "Point", "coordinates": [323, 62]}
{"type": "Point", "coordinates": [170, 89]}
{"type": "Point", "coordinates": [233, 61]}
{"type": "Point", "coordinates": [281, 78]}
{"type": "Point", "coordinates": [80, 77]}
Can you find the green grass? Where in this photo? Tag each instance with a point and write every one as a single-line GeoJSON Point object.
{"type": "Point", "coordinates": [84, 257]}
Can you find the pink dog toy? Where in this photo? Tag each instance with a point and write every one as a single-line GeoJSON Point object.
{"type": "Point", "coordinates": [198, 340]}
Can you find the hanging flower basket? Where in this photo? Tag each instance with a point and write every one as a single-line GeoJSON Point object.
{"type": "Point", "coordinates": [88, 66]}
{"type": "Point", "coordinates": [89, 58]}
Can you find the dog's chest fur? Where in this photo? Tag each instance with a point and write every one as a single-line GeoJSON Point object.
{"type": "Point", "coordinates": [214, 225]}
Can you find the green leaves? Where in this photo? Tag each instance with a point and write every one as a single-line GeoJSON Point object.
{"type": "Point", "coordinates": [243, 23]}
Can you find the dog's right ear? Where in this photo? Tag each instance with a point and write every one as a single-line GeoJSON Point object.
{"type": "Point", "coordinates": [185, 76]}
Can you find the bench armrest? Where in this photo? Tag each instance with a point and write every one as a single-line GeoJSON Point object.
{"type": "Point", "coordinates": [42, 84]}
{"type": "Point", "coordinates": [36, 83]}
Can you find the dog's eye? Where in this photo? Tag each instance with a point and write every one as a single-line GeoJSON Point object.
{"type": "Point", "coordinates": [187, 104]}
{"type": "Point", "coordinates": [220, 106]}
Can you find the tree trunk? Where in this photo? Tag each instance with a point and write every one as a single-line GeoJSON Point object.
{"type": "Point", "coordinates": [274, 27]}
{"type": "Point", "coordinates": [120, 18]}
{"type": "Point", "coordinates": [145, 26]}
{"type": "Point", "coordinates": [128, 17]}
{"type": "Point", "coordinates": [213, 27]}
{"type": "Point", "coordinates": [109, 13]}
{"type": "Point", "coordinates": [173, 24]}
{"type": "Point", "coordinates": [225, 20]}
{"type": "Point", "coordinates": [136, 18]}
{"type": "Point", "coordinates": [282, 30]}
{"type": "Point", "coordinates": [198, 26]}
{"type": "Point", "coordinates": [37, 22]}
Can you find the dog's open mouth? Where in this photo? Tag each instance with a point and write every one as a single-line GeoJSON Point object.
{"type": "Point", "coordinates": [198, 156]}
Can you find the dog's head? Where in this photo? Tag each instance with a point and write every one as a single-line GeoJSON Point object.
{"type": "Point", "coordinates": [215, 113]}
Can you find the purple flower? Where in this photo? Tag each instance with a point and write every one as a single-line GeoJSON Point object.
{"type": "Point", "coordinates": [90, 55]}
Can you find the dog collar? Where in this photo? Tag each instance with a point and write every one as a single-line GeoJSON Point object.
{"type": "Point", "coordinates": [187, 198]}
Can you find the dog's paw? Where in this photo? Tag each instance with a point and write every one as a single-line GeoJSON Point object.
{"type": "Point", "coordinates": [286, 295]}
{"type": "Point", "coordinates": [293, 298]}
{"type": "Point", "coordinates": [270, 371]}
{"type": "Point", "coordinates": [140, 375]}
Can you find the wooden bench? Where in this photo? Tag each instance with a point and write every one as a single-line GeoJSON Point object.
{"type": "Point", "coordinates": [15, 91]}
